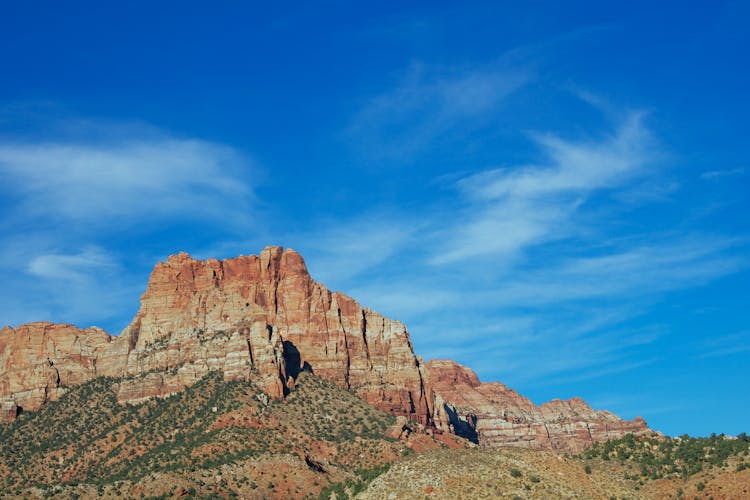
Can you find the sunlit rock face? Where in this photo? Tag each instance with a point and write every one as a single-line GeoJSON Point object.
{"type": "Point", "coordinates": [39, 360]}
{"type": "Point", "coordinates": [493, 415]}
{"type": "Point", "coordinates": [261, 317]}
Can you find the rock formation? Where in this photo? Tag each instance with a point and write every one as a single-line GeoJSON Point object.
{"type": "Point", "coordinates": [257, 316]}
{"type": "Point", "coordinates": [39, 360]}
{"type": "Point", "coordinates": [492, 415]}
{"type": "Point", "coordinates": [264, 318]}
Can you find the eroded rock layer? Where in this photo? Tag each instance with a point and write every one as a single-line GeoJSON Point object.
{"type": "Point", "coordinates": [493, 415]}
{"type": "Point", "coordinates": [39, 360]}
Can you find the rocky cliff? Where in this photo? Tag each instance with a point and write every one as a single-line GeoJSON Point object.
{"type": "Point", "coordinates": [39, 360]}
{"type": "Point", "coordinates": [493, 415]}
{"type": "Point", "coordinates": [253, 316]}
{"type": "Point", "coordinates": [263, 317]}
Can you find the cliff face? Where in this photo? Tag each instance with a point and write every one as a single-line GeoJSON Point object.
{"type": "Point", "coordinates": [39, 360]}
{"type": "Point", "coordinates": [266, 313]}
{"type": "Point", "coordinates": [493, 415]}
{"type": "Point", "coordinates": [264, 318]}
{"type": "Point", "coordinates": [257, 316]}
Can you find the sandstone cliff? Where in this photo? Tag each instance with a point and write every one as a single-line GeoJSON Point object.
{"type": "Point", "coordinates": [266, 313]}
{"type": "Point", "coordinates": [493, 415]}
{"type": "Point", "coordinates": [264, 318]}
{"type": "Point", "coordinates": [39, 360]}
{"type": "Point", "coordinates": [257, 316]}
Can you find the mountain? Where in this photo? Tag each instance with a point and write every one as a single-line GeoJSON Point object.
{"type": "Point", "coordinates": [263, 319]}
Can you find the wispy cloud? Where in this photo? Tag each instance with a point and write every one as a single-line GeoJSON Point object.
{"type": "Point", "coordinates": [725, 345]}
{"type": "Point", "coordinates": [340, 250]}
{"type": "Point", "coordinates": [532, 261]}
{"type": "Point", "coordinates": [430, 102]}
{"type": "Point", "coordinates": [72, 268]}
{"type": "Point", "coordinates": [512, 208]}
{"type": "Point", "coordinates": [714, 175]}
{"type": "Point", "coordinates": [640, 271]}
{"type": "Point", "coordinates": [83, 287]}
{"type": "Point", "coordinates": [130, 179]}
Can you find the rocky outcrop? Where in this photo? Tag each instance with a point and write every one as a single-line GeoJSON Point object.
{"type": "Point", "coordinates": [261, 317]}
{"type": "Point", "coordinates": [266, 314]}
{"type": "Point", "coordinates": [39, 360]}
{"type": "Point", "coordinates": [264, 318]}
{"type": "Point", "coordinates": [492, 415]}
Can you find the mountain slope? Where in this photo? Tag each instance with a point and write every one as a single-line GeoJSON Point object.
{"type": "Point", "coordinates": [87, 443]}
{"type": "Point", "coordinates": [634, 467]}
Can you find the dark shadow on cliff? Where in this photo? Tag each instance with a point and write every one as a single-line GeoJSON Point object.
{"type": "Point", "coordinates": [465, 428]}
{"type": "Point", "coordinates": [293, 360]}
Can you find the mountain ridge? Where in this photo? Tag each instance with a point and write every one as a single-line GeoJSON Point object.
{"type": "Point", "coordinates": [263, 318]}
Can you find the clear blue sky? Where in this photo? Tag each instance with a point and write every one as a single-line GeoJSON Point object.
{"type": "Point", "coordinates": [556, 195]}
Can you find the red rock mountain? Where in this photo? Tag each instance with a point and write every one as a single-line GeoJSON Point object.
{"type": "Point", "coordinates": [264, 318]}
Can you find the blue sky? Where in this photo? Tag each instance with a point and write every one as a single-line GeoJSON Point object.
{"type": "Point", "coordinates": [554, 196]}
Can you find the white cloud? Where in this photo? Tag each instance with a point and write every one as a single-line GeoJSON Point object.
{"type": "Point", "coordinates": [725, 345]}
{"type": "Point", "coordinates": [83, 287]}
{"type": "Point", "coordinates": [636, 271]}
{"type": "Point", "coordinates": [76, 267]}
{"type": "Point", "coordinates": [574, 166]}
{"type": "Point", "coordinates": [130, 179]}
{"type": "Point", "coordinates": [511, 209]}
{"type": "Point", "coordinates": [529, 273]}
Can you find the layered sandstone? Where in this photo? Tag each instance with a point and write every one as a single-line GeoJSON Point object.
{"type": "Point", "coordinates": [266, 313]}
{"type": "Point", "coordinates": [493, 415]}
{"type": "Point", "coordinates": [261, 317]}
{"type": "Point", "coordinates": [39, 360]}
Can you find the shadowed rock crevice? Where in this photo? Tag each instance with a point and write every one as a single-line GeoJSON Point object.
{"type": "Point", "coordinates": [466, 427]}
{"type": "Point", "coordinates": [293, 360]}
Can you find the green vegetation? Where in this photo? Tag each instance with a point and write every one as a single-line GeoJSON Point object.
{"type": "Point", "coordinates": [658, 456]}
{"type": "Point", "coordinates": [88, 438]}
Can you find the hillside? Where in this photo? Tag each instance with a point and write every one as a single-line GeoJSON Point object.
{"type": "Point", "coordinates": [227, 439]}
{"type": "Point", "coordinates": [216, 438]}
{"type": "Point", "coordinates": [717, 466]}
{"type": "Point", "coordinates": [634, 467]}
